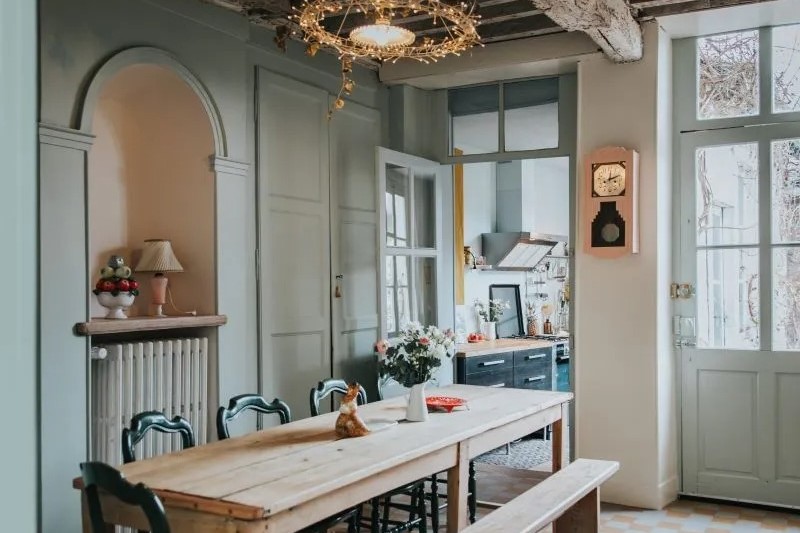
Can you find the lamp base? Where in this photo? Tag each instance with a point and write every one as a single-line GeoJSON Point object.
{"type": "Point", "coordinates": [158, 294]}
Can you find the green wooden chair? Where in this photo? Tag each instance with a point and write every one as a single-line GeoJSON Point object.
{"type": "Point", "coordinates": [147, 421]}
{"type": "Point", "coordinates": [100, 476]}
{"type": "Point", "coordinates": [417, 513]}
{"type": "Point", "coordinates": [253, 402]}
{"type": "Point", "coordinates": [249, 402]}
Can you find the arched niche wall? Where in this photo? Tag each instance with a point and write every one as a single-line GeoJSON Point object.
{"type": "Point", "coordinates": [148, 172]}
{"type": "Point", "coordinates": [148, 176]}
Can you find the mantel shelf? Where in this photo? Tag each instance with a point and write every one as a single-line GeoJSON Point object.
{"type": "Point", "coordinates": [105, 326]}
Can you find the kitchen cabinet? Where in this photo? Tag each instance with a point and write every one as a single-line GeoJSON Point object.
{"type": "Point", "coordinates": [513, 363]}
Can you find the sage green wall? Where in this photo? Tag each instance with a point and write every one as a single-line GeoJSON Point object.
{"type": "Point", "coordinates": [18, 350]}
{"type": "Point", "coordinates": [222, 51]}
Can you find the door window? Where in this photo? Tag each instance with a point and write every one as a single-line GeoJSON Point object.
{"type": "Point", "coordinates": [411, 247]}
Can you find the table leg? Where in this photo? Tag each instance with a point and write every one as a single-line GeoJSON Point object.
{"type": "Point", "coordinates": [457, 481]}
{"type": "Point", "coordinates": [559, 440]}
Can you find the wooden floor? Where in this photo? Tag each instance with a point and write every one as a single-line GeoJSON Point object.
{"type": "Point", "coordinates": [500, 484]}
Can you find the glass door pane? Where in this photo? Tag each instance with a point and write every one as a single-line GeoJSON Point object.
{"type": "Point", "coordinates": [786, 68]}
{"type": "Point", "coordinates": [728, 299]}
{"type": "Point", "coordinates": [726, 195]}
{"type": "Point", "coordinates": [786, 191]}
{"type": "Point", "coordinates": [398, 192]}
{"type": "Point", "coordinates": [727, 75]}
{"type": "Point", "coordinates": [786, 298]}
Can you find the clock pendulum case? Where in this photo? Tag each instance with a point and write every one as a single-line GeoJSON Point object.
{"type": "Point", "coordinates": [610, 211]}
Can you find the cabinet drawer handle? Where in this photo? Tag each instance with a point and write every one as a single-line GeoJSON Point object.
{"type": "Point", "coordinates": [536, 356]}
{"type": "Point", "coordinates": [498, 385]}
{"type": "Point", "coordinates": [535, 378]}
{"type": "Point", "coordinates": [492, 363]}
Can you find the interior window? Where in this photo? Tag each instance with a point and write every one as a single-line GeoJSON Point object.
{"type": "Point", "coordinates": [531, 114]}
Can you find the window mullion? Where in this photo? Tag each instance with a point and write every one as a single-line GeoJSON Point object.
{"type": "Point", "coordinates": [765, 71]}
{"type": "Point", "coordinates": [411, 215]}
{"type": "Point", "coordinates": [501, 120]}
{"type": "Point", "coordinates": [765, 243]}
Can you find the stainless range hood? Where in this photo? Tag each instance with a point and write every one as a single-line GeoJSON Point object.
{"type": "Point", "coordinates": [518, 250]}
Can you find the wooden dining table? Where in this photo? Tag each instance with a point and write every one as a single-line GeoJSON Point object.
{"type": "Point", "coordinates": [285, 478]}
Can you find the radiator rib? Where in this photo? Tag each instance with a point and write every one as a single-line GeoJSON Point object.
{"type": "Point", "coordinates": [170, 376]}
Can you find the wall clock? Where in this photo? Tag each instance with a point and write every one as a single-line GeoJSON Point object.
{"type": "Point", "coordinates": [610, 211]}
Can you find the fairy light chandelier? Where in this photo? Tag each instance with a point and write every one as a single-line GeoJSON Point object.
{"type": "Point", "coordinates": [378, 33]}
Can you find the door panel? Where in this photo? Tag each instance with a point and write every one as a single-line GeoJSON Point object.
{"type": "Point", "coordinates": [294, 229]}
{"type": "Point", "coordinates": [355, 131]}
{"type": "Point", "coordinates": [787, 465]}
{"type": "Point", "coordinates": [740, 366]}
{"type": "Point", "coordinates": [727, 404]}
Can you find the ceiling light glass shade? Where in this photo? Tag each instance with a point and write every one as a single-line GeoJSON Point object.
{"type": "Point", "coordinates": [382, 35]}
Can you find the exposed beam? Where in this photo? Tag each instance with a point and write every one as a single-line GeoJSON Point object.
{"type": "Point", "coordinates": [608, 22]}
{"type": "Point", "coordinates": [687, 6]}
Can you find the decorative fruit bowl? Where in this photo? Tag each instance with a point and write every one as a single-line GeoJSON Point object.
{"type": "Point", "coordinates": [115, 303]}
{"type": "Point", "coordinates": [116, 289]}
{"type": "Point", "coordinates": [446, 403]}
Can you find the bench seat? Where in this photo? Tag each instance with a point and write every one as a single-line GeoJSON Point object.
{"type": "Point", "coordinates": [569, 498]}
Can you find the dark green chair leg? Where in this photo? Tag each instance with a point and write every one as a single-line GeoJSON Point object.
{"type": "Point", "coordinates": [472, 499]}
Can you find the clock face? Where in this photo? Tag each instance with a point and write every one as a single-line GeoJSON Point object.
{"type": "Point", "coordinates": [608, 179]}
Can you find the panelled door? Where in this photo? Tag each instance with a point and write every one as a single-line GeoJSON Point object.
{"type": "Point", "coordinates": [294, 248]}
{"type": "Point", "coordinates": [355, 131]}
{"type": "Point", "coordinates": [740, 249]}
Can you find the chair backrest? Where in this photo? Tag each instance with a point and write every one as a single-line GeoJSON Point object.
{"type": "Point", "coordinates": [329, 386]}
{"type": "Point", "coordinates": [156, 421]}
{"type": "Point", "coordinates": [103, 477]}
{"type": "Point", "coordinates": [249, 402]}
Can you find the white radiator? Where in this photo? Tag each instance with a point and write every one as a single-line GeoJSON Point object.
{"type": "Point", "coordinates": [170, 376]}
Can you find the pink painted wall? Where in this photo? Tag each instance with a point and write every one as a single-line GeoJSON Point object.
{"type": "Point", "coordinates": [149, 177]}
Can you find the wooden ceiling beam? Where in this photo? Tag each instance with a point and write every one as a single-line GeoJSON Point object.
{"type": "Point", "coordinates": [688, 6]}
{"type": "Point", "coordinates": [609, 23]}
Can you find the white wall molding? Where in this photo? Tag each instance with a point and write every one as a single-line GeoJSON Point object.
{"type": "Point", "coordinates": [153, 56]}
{"type": "Point", "coordinates": [224, 165]}
{"type": "Point", "coordinates": [65, 137]}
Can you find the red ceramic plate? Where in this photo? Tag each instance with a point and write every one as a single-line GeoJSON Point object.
{"type": "Point", "coordinates": [448, 403]}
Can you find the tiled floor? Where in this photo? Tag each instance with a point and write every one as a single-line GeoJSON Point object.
{"type": "Point", "coordinates": [686, 516]}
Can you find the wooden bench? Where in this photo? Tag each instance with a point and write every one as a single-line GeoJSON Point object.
{"type": "Point", "coordinates": [569, 499]}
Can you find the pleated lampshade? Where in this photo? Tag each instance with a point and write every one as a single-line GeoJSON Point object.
{"type": "Point", "coordinates": [157, 256]}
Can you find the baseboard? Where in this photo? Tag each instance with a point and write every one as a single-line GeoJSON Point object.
{"type": "Point", "coordinates": [668, 492]}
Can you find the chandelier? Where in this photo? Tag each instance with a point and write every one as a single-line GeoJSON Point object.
{"type": "Point", "coordinates": [372, 29]}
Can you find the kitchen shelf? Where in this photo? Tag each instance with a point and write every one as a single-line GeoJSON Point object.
{"type": "Point", "coordinates": [105, 326]}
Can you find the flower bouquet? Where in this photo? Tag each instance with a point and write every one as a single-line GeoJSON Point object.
{"type": "Point", "coordinates": [412, 360]}
{"type": "Point", "coordinates": [489, 314]}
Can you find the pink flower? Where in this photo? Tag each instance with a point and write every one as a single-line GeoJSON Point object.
{"type": "Point", "coordinates": [381, 346]}
{"type": "Point", "coordinates": [424, 341]}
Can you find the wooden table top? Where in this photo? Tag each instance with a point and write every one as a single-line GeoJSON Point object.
{"type": "Point", "coordinates": [473, 349]}
{"type": "Point", "coordinates": [276, 469]}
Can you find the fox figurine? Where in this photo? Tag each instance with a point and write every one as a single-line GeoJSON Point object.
{"type": "Point", "coordinates": [349, 424]}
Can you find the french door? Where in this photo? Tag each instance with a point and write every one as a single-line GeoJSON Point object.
{"type": "Point", "coordinates": [739, 338]}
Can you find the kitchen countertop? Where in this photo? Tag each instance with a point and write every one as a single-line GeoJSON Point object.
{"type": "Point", "coordinates": [474, 349]}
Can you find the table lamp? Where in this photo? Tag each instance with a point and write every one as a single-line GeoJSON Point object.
{"type": "Point", "coordinates": [158, 257]}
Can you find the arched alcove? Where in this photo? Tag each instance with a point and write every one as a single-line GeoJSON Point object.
{"type": "Point", "coordinates": [149, 177]}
